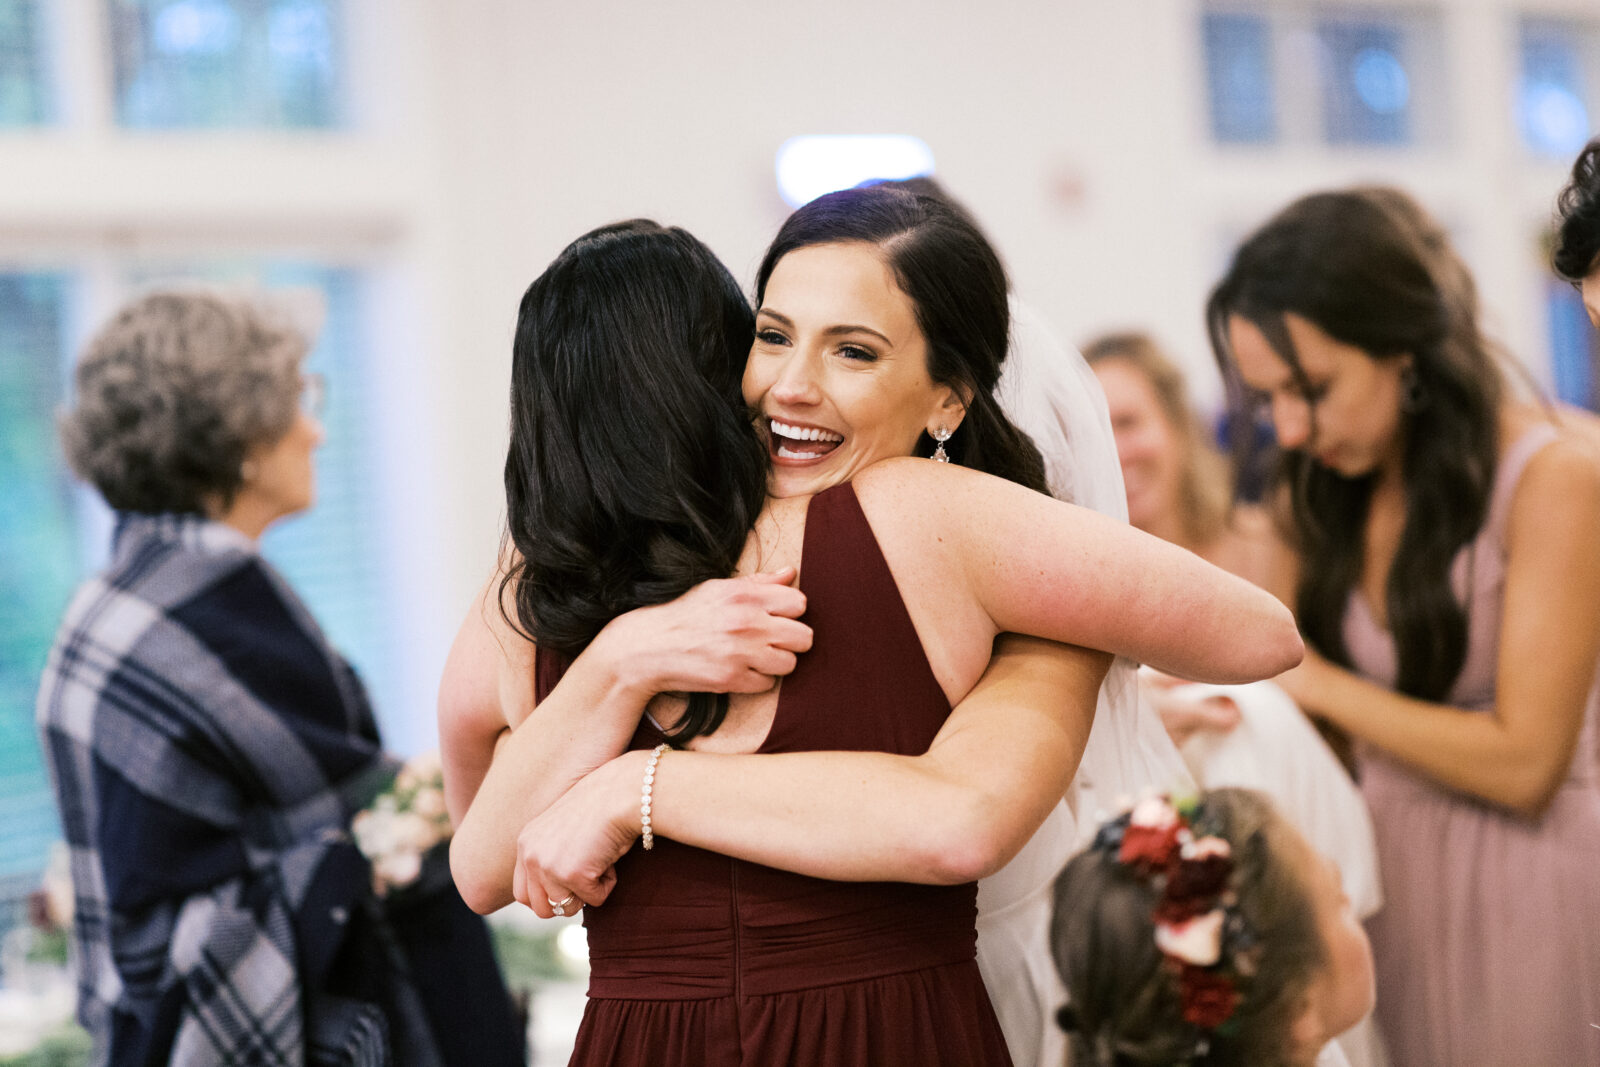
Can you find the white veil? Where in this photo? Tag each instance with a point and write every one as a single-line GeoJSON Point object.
{"type": "Point", "coordinates": [1049, 391]}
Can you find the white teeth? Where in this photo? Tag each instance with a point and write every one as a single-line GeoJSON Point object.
{"type": "Point", "coordinates": [801, 433]}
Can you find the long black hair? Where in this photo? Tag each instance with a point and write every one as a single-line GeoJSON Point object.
{"type": "Point", "coordinates": [633, 472]}
{"type": "Point", "coordinates": [1344, 262]}
{"type": "Point", "coordinates": [1577, 247]}
{"type": "Point", "coordinates": [941, 260]}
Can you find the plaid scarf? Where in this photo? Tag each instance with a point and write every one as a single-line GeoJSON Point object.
{"type": "Point", "coordinates": [208, 749]}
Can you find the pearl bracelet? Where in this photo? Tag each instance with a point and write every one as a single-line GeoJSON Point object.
{"type": "Point", "coordinates": [647, 838]}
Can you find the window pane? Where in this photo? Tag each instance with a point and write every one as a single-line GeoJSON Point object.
{"type": "Point", "coordinates": [1574, 346]}
{"type": "Point", "coordinates": [1366, 84]}
{"type": "Point", "coordinates": [226, 63]}
{"type": "Point", "coordinates": [24, 95]}
{"type": "Point", "coordinates": [1238, 51]}
{"type": "Point", "coordinates": [38, 564]}
{"type": "Point", "coordinates": [333, 555]}
{"type": "Point", "coordinates": [1552, 98]}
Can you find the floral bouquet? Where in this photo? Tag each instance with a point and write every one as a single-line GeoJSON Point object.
{"type": "Point", "coordinates": [403, 831]}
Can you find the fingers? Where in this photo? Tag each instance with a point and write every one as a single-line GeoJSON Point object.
{"type": "Point", "coordinates": [788, 634]}
{"type": "Point", "coordinates": [768, 595]}
{"type": "Point", "coordinates": [781, 576]}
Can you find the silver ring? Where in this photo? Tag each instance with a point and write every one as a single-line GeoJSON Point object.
{"type": "Point", "coordinates": [558, 908]}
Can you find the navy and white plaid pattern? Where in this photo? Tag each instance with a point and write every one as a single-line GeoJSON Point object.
{"type": "Point", "coordinates": [208, 749]}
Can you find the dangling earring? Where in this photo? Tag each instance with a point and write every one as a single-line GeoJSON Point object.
{"type": "Point", "coordinates": [941, 435]}
{"type": "Point", "coordinates": [1413, 394]}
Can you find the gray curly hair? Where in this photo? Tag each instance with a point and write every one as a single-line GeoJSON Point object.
{"type": "Point", "coordinates": [173, 393]}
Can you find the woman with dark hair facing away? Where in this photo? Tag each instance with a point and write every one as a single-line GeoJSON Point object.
{"type": "Point", "coordinates": [702, 957]}
{"type": "Point", "coordinates": [1577, 250]}
{"type": "Point", "coordinates": [1206, 931]}
{"type": "Point", "coordinates": [1445, 579]}
{"type": "Point", "coordinates": [210, 748]}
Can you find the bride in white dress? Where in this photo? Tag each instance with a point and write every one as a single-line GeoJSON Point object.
{"type": "Point", "coordinates": [1048, 390]}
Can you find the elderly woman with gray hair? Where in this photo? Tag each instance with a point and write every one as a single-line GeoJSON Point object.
{"type": "Point", "coordinates": [209, 748]}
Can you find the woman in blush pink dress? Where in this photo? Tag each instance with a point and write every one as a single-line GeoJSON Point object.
{"type": "Point", "coordinates": [1445, 579]}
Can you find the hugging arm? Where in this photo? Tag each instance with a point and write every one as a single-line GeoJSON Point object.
{"type": "Point", "coordinates": [727, 635]}
{"type": "Point", "coordinates": [1035, 565]}
{"type": "Point", "coordinates": [959, 812]}
{"type": "Point", "coordinates": [1028, 564]}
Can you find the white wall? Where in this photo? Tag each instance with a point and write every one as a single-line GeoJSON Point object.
{"type": "Point", "coordinates": [495, 131]}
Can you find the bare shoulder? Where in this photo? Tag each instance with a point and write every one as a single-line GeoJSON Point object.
{"type": "Point", "coordinates": [1561, 483]}
{"type": "Point", "coordinates": [1583, 425]}
{"type": "Point", "coordinates": [941, 486]}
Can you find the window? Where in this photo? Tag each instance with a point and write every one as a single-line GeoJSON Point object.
{"type": "Point", "coordinates": [1238, 53]}
{"type": "Point", "coordinates": [38, 552]}
{"type": "Point", "coordinates": [1574, 346]}
{"type": "Point", "coordinates": [1557, 90]}
{"type": "Point", "coordinates": [1366, 92]}
{"type": "Point", "coordinates": [1304, 73]}
{"type": "Point", "coordinates": [24, 90]}
{"type": "Point", "coordinates": [226, 63]}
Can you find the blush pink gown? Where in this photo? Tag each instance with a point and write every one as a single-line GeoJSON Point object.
{"type": "Point", "coordinates": [1488, 944]}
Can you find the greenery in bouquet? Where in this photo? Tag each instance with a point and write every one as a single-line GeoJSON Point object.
{"type": "Point", "coordinates": [402, 830]}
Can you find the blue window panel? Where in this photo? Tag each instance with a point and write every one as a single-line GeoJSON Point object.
{"type": "Point", "coordinates": [1552, 97]}
{"type": "Point", "coordinates": [1574, 346]}
{"type": "Point", "coordinates": [226, 63]}
{"type": "Point", "coordinates": [334, 554]}
{"type": "Point", "coordinates": [38, 550]}
{"type": "Point", "coordinates": [1366, 83]}
{"type": "Point", "coordinates": [25, 97]}
{"type": "Point", "coordinates": [1239, 86]}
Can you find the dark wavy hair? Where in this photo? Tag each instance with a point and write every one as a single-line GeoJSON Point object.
{"type": "Point", "coordinates": [633, 472]}
{"type": "Point", "coordinates": [941, 260]}
{"type": "Point", "coordinates": [1346, 263]}
{"type": "Point", "coordinates": [1125, 1009]}
{"type": "Point", "coordinates": [1577, 247]}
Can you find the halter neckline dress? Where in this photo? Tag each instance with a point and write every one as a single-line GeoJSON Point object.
{"type": "Point", "coordinates": [700, 959]}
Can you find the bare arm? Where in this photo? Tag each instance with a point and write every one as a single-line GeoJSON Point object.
{"type": "Point", "coordinates": [1518, 754]}
{"type": "Point", "coordinates": [1039, 566]}
{"type": "Point", "coordinates": [1002, 760]}
{"type": "Point", "coordinates": [729, 635]}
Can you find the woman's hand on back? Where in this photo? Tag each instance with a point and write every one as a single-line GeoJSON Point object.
{"type": "Point", "coordinates": [727, 635]}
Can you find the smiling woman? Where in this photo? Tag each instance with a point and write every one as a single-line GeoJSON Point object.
{"type": "Point", "coordinates": [813, 848]}
{"type": "Point", "coordinates": [839, 369]}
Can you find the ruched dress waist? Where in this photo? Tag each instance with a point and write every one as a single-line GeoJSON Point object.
{"type": "Point", "coordinates": [704, 925]}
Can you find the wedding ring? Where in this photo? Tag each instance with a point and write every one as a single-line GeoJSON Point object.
{"type": "Point", "coordinates": [558, 908]}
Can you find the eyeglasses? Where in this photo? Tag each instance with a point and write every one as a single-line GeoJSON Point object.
{"type": "Point", "coordinates": [313, 394]}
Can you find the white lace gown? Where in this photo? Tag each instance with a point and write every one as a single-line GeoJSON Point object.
{"type": "Point", "coordinates": [1048, 390]}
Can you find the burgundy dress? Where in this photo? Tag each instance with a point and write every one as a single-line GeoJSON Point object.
{"type": "Point", "coordinates": [700, 959]}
